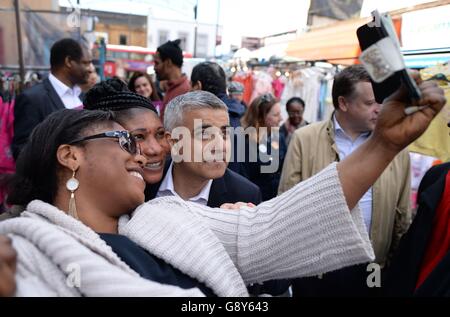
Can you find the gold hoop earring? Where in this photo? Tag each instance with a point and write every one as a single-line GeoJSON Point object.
{"type": "Point", "coordinates": [72, 185]}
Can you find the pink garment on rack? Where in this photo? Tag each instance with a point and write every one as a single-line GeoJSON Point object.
{"type": "Point", "coordinates": [7, 164]}
{"type": "Point", "coordinates": [278, 87]}
{"type": "Point", "coordinates": [262, 84]}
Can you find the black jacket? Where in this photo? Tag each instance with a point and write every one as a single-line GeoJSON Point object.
{"type": "Point", "coordinates": [230, 188]}
{"type": "Point", "coordinates": [235, 112]}
{"type": "Point", "coordinates": [404, 270]}
{"type": "Point", "coordinates": [263, 168]}
{"type": "Point", "coordinates": [32, 107]}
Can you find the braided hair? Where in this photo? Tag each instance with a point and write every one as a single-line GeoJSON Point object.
{"type": "Point", "coordinates": [113, 94]}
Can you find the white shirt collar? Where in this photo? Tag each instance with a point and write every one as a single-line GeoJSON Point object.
{"type": "Point", "coordinates": [62, 89]}
{"type": "Point", "coordinates": [338, 128]}
{"type": "Point", "coordinates": [167, 189]}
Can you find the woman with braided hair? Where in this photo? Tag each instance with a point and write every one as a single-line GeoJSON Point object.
{"type": "Point", "coordinates": [138, 115]}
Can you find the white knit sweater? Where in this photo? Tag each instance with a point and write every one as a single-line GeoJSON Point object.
{"type": "Point", "coordinates": [306, 231]}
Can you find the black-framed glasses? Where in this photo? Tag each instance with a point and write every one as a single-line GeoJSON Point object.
{"type": "Point", "coordinates": [126, 141]}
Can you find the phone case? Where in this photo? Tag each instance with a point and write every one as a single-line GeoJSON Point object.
{"type": "Point", "coordinates": [373, 32]}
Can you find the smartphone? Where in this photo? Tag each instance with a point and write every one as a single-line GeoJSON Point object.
{"type": "Point", "coordinates": [370, 34]}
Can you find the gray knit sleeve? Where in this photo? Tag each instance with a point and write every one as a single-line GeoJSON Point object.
{"type": "Point", "coordinates": [306, 231]}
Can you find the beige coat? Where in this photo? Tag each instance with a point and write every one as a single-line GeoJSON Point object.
{"type": "Point", "coordinates": [313, 147]}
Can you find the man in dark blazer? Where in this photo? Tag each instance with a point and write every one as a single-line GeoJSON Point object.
{"type": "Point", "coordinates": [200, 115]}
{"type": "Point", "coordinates": [407, 264]}
{"type": "Point", "coordinates": [230, 188]}
{"type": "Point", "coordinates": [210, 77]}
{"type": "Point", "coordinates": [69, 63]}
{"type": "Point", "coordinates": [204, 120]}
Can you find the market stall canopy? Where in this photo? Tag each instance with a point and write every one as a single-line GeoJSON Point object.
{"type": "Point", "coordinates": [336, 43]}
{"type": "Point", "coordinates": [265, 53]}
{"type": "Point", "coordinates": [243, 54]}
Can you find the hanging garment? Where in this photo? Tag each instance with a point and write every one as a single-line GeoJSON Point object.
{"type": "Point", "coordinates": [435, 141]}
{"type": "Point", "coordinates": [7, 164]}
{"type": "Point", "coordinates": [305, 83]}
{"type": "Point", "coordinates": [278, 87]}
{"type": "Point", "coordinates": [245, 79]}
{"type": "Point", "coordinates": [262, 84]}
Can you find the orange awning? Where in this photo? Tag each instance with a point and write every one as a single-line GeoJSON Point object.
{"type": "Point", "coordinates": [336, 43]}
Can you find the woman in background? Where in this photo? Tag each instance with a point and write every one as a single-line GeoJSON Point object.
{"type": "Point", "coordinates": [264, 115]}
{"type": "Point", "coordinates": [142, 84]}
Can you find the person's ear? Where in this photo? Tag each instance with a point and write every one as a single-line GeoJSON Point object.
{"type": "Point", "coordinates": [68, 62]}
{"type": "Point", "coordinates": [169, 139]}
{"type": "Point", "coordinates": [69, 156]}
{"type": "Point", "coordinates": [342, 103]}
{"type": "Point", "coordinates": [196, 86]}
{"type": "Point", "coordinates": [176, 148]}
{"type": "Point", "coordinates": [168, 63]}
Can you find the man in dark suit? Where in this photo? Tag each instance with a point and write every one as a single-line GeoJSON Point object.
{"type": "Point", "coordinates": [69, 63]}
{"type": "Point", "coordinates": [420, 264]}
{"type": "Point", "coordinates": [230, 188]}
{"type": "Point", "coordinates": [210, 77]}
{"type": "Point", "coordinates": [203, 119]}
{"type": "Point", "coordinates": [196, 126]}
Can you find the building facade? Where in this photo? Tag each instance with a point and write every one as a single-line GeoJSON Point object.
{"type": "Point", "coordinates": [160, 31]}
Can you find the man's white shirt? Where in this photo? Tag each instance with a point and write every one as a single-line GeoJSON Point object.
{"type": "Point", "coordinates": [345, 146]}
{"type": "Point", "coordinates": [69, 96]}
{"type": "Point", "coordinates": [167, 189]}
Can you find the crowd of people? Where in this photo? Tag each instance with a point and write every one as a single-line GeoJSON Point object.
{"type": "Point", "coordinates": [181, 189]}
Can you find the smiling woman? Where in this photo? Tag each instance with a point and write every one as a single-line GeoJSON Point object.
{"type": "Point", "coordinates": [138, 115]}
{"type": "Point", "coordinates": [94, 152]}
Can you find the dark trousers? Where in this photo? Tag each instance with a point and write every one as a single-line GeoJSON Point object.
{"type": "Point", "coordinates": [347, 282]}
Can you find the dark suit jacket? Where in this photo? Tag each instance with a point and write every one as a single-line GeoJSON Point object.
{"type": "Point", "coordinates": [230, 188]}
{"type": "Point", "coordinates": [32, 107]}
{"type": "Point", "coordinates": [401, 278]}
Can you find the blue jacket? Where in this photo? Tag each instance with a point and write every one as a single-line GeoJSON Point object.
{"type": "Point", "coordinates": [235, 110]}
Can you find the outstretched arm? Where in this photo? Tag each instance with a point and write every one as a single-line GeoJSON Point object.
{"type": "Point", "coordinates": [393, 132]}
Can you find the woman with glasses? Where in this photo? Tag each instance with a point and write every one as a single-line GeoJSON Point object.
{"type": "Point", "coordinates": [263, 162]}
{"type": "Point", "coordinates": [80, 176]}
